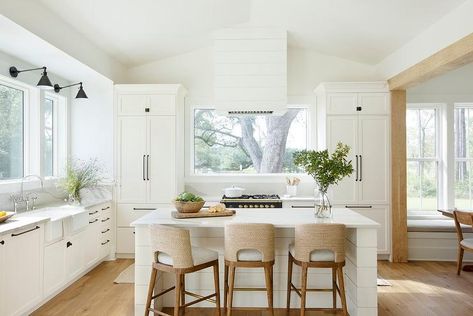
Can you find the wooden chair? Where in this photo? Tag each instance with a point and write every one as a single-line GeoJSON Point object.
{"type": "Point", "coordinates": [465, 218]}
{"type": "Point", "coordinates": [174, 254]}
{"type": "Point", "coordinates": [248, 245]}
{"type": "Point", "coordinates": [318, 246]}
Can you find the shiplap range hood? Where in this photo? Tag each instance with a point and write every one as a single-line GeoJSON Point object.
{"type": "Point", "coordinates": [250, 71]}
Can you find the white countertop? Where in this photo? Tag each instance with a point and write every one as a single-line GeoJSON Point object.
{"type": "Point", "coordinates": [280, 218]}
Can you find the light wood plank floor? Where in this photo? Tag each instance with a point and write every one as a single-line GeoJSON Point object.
{"type": "Point", "coordinates": [418, 288]}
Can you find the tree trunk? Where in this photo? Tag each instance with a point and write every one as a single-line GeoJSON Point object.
{"type": "Point", "coordinates": [248, 142]}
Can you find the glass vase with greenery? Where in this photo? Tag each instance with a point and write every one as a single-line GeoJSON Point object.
{"type": "Point", "coordinates": [80, 175]}
{"type": "Point", "coordinates": [326, 169]}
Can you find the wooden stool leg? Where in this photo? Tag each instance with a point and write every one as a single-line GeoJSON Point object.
{"type": "Point", "coordinates": [303, 287]}
{"type": "Point", "coordinates": [230, 289]}
{"type": "Point", "coordinates": [289, 282]}
{"type": "Point", "coordinates": [341, 285]}
{"type": "Point", "coordinates": [225, 287]}
{"type": "Point", "coordinates": [217, 289]}
{"type": "Point", "coordinates": [152, 282]}
{"type": "Point", "coordinates": [269, 287]}
{"type": "Point", "coordinates": [177, 295]}
{"type": "Point", "coordinates": [459, 259]}
{"type": "Point", "coordinates": [183, 294]}
{"type": "Point", "coordinates": [334, 287]}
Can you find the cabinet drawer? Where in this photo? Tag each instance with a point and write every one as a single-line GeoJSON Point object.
{"type": "Point", "coordinates": [106, 218]}
{"type": "Point", "coordinates": [127, 213]}
{"type": "Point", "coordinates": [132, 104]}
{"type": "Point", "coordinates": [342, 103]}
{"type": "Point", "coordinates": [374, 103]}
{"type": "Point", "coordinates": [125, 240]}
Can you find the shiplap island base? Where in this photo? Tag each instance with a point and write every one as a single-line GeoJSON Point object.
{"type": "Point", "coordinates": [360, 269]}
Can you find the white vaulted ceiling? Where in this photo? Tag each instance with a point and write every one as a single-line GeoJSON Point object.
{"type": "Point", "coordinates": [139, 31]}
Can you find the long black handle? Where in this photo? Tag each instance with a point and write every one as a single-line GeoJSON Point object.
{"type": "Point", "coordinates": [356, 168]}
{"type": "Point", "coordinates": [361, 168]}
{"type": "Point", "coordinates": [26, 231]}
{"type": "Point", "coordinates": [144, 209]}
{"type": "Point", "coordinates": [147, 167]}
{"type": "Point", "coordinates": [358, 206]}
{"type": "Point", "coordinates": [144, 177]}
{"type": "Point", "coordinates": [302, 206]}
{"type": "Point", "coordinates": [104, 243]}
{"type": "Point", "coordinates": [95, 220]}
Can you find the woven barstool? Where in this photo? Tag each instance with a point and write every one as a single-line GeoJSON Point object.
{"type": "Point", "coordinates": [318, 246]}
{"type": "Point", "coordinates": [248, 246]}
{"type": "Point", "coordinates": [173, 253]}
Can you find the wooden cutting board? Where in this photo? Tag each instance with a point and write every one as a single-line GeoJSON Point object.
{"type": "Point", "coordinates": [204, 213]}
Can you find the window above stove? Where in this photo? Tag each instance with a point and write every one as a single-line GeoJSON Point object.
{"type": "Point", "coordinates": [247, 145]}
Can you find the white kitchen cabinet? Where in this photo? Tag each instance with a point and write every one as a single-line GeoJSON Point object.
{"type": "Point", "coordinates": [75, 254]}
{"type": "Point", "coordinates": [91, 244]}
{"type": "Point", "coordinates": [54, 267]}
{"type": "Point", "coordinates": [2, 274]}
{"type": "Point", "coordinates": [22, 258]}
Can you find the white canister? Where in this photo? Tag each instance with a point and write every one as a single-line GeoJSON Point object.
{"type": "Point", "coordinates": [291, 190]}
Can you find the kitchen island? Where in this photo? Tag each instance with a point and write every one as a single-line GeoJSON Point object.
{"type": "Point", "coordinates": [360, 269]}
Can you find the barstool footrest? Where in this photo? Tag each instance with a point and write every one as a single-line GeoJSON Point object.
{"type": "Point", "coordinates": [157, 312]}
{"type": "Point", "coordinates": [163, 292]}
{"type": "Point", "coordinates": [199, 299]}
{"type": "Point", "coordinates": [245, 289]}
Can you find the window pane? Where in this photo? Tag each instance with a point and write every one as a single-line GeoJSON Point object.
{"type": "Point", "coordinates": [413, 185]}
{"type": "Point", "coordinates": [428, 133]}
{"type": "Point", "coordinates": [48, 157]}
{"type": "Point", "coordinates": [11, 133]}
{"type": "Point", "coordinates": [429, 185]}
{"type": "Point", "coordinates": [412, 130]}
{"type": "Point", "coordinates": [248, 144]}
{"type": "Point", "coordinates": [462, 184]}
{"type": "Point", "coordinates": [461, 122]}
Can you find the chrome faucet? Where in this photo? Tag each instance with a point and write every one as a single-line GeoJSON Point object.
{"type": "Point", "coordinates": [22, 198]}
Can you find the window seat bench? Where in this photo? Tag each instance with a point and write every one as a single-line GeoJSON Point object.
{"type": "Point", "coordinates": [434, 225]}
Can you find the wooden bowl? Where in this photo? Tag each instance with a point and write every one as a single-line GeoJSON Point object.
{"type": "Point", "coordinates": [188, 207]}
{"type": "Point", "coordinates": [4, 218]}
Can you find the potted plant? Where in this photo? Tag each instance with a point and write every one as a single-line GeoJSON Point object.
{"type": "Point", "coordinates": [326, 169]}
{"type": "Point", "coordinates": [187, 202]}
{"type": "Point", "coordinates": [80, 175]}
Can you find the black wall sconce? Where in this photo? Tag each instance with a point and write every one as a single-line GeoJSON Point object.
{"type": "Point", "coordinates": [43, 83]}
{"type": "Point", "coordinates": [80, 94]}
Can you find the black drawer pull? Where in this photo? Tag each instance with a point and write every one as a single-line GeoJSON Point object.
{"type": "Point", "coordinates": [302, 206]}
{"type": "Point", "coordinates": [92, 213]}
{"type": "Point", "coordinates": [144, 209]}
{"type": "Point", "coordinates": [105, 208]}
{"type": "Point", "coordinates": [104, 243]}
{"type": "Point", "coordinates": [2, 242]}
{"type": "Point", "coordinates": [26, 231]}
{"type": "Point", "coordinates": [95, 220]}
{"type": "Point", "coordinates": [107, 230]}
{"type": "Point", "coordinates": [104, 220]}
{"type": "Point", "coordinates": [358, 206]}
{"type": "Point", "coordinates": [68, 244]}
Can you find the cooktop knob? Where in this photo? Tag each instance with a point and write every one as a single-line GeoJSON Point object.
{"type": "Point", "coordinates": [245, 206]}
{"type": "Point", "coordinates": [272, 206]}
{"type": "Point", "coordinates": [262, 206]}
{"type": "Point", "coordinates": [251, 206]}
{"type": "Point", "coordinates": [267, 206]}
{"type": "Point", "coordinates": [240, 206]}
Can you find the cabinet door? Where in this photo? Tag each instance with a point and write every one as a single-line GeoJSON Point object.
{"type": "Point", "coordinates": [2, 274]}
{"type": "Point", "coordinates": [344, 129]}
{"type": "Point", "coordinates": [162, 159]}
{"type": "Point", "coordinates": [162, 104]}
{"type": "Point", "coordinates": [342, 103]}
{"type": "Point", "coordinates": [92, 239]}
{"type": "Point", "coordinates": [374, 103]}
{"type": "Point", "coordinates": [75, 248]}
{"type": "Point", "coordinates": [23, 257]}
{"type": "Point", "coordinates": [54, 267]}
{"type": "Point", "coordinates": [132, 154]}
{"type": "Point", "coordinates": [132, 104]}
{"type": "Point", "coordinates": [373, 138]}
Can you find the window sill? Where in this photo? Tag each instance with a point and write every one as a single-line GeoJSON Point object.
{"type": "Point", "coordinates": [246, 178]}
{"type": "Point", "coordinates": [13, 186]}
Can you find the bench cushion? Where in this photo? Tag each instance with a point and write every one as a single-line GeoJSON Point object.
{"type": "Point", "coordinates": [434, 225]}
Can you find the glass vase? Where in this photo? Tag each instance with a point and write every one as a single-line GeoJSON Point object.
{"type": "Point", "coordinates": [73, 199]}
{"type": "Point", "coordinates": [323, 208]}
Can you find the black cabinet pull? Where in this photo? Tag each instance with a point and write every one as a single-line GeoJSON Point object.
{"type": "Point", "coordinates": [104, 243]}
{"type": "Point", "coordinates": [144, 209]}
{"type": "Point", "coordinates": [105, 208]}
{"type": "Point", "coordinates": [147, 167]}
{"type": "Point", "coordinates": [95, 220]}
{"type": "Point", "coordinates": [358, 206]}
{"type": "Point", "coordinates": [68, 244]}
{"type": "Point", "coordinates": [92, 213]}
{"type": "Point", "coordinates": [144, 177]}
{"type": "Point", "coordinates": [104, 220]}
{"type": "Point", "coordinates": [26, 231]}
{"type": "Point", "coordinates": [361, 168]}
{"type": "Point", "coordinates": [358, 108]}
{"type": "Point", "coordinates": [356, 179]}
{"type": "Point", "coordinates": [2, 242]}
{"type": "Point", "coordinates": [107, 230]}
{"type": "Point", "coordinates": [302, 206]}
{"type": "Point", "coordinates": [146, 110]}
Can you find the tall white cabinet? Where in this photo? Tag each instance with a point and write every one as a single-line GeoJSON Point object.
{"type": "Point", "coordinates": [358, 114]}
{"type": "Point", "coordinates": [149, 152]}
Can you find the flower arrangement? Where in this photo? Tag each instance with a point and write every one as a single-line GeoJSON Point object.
{"type": "Point", "coordinates": [80, 175]}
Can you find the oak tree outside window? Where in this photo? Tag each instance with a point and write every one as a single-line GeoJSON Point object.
{"type": "Point", "coordinates": [463, 156]}
{"type": "Point", "coordinates": [12, 103]}
{"type": "Point", "coordinates": [422, 158]}
{"type": "Point", "coordinates": [253, 144]}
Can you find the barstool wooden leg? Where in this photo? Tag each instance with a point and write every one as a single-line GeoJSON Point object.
{"type": "Point", "coordinates": [177, 295]}
{"type": "Point", "coordinates": [459, 260]}
{"type": "Point", "coordinates": [230, 289]}
{"type": "Point", "coordinates": [269, 287]}
{"type": "Point", "coordinates": [225, 287]}
{"type": "Point", "coordinates": [341, 285]}
{"type": "Point", "coordinates": [303, 287]}
{"type": "Point", "coordinates": [152, 282]}
{"type": "Point", "coordinates": [217, 289]}
{"type": "Point", "coordinates": [334, 287]}
{"type": "Point", "coordinates": [183, 294]}
{"type": "Point", "coordinates": [289, 281]}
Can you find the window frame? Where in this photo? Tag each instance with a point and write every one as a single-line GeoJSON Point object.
{"type": "Point", "coordinates": [192, 177]}
{"type": "Point", "coordinates": [438, 159]}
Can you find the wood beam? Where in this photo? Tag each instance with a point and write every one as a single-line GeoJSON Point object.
{"type": "Point", "coordinates": [398, 176]}
{"type": "Point", "coordinates": [451, 57]}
